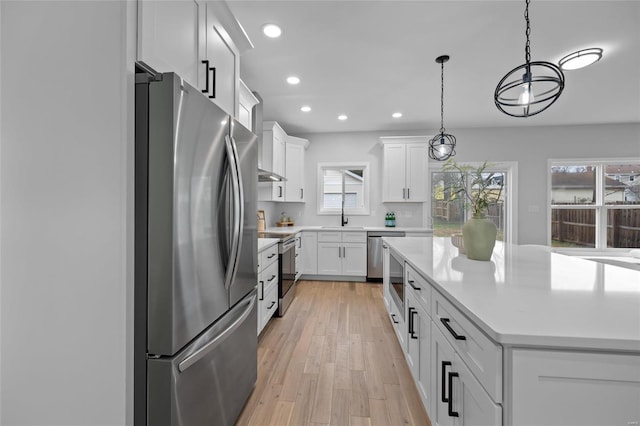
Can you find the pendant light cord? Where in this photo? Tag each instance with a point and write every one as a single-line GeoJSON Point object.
{"type": "Point", "coordinates": [527, 48]}
{"type": "Point", "coordinates": [442, 98]}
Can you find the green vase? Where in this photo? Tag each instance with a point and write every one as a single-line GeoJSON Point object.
{"type": "Point", "coordinates": [479, 236]}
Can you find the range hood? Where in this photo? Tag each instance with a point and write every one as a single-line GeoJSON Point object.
{"type": "Point", "coordinates": [267, 176]}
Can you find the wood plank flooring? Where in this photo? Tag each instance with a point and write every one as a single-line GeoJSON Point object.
{"type": "Point", "coordinates": [333, 359]}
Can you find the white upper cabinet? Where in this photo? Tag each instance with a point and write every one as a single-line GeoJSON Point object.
{"type": "Point", "coordinates": [294, 168]}
{"type": "Point", "coordinates": [171, 37]}
{"type": "Point", "coordinates": [273, 159]}
{"type": "Point", "coordinates": [246, 102]}
{"type": "Point", "coordinates": [199, 40]}
{"type": "Point", "coordinates": [404, 171]}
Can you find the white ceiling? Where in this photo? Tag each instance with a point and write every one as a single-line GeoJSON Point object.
{"type": "Point", "coordinates": [368, 59]}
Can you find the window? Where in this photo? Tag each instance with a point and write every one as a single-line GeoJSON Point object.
{"type": "Point", "coordinates": [594, 203]}
{"type": "Point", "coordinates": [448, 217]}
{"type": "Point", "coordinates": [343, 184]}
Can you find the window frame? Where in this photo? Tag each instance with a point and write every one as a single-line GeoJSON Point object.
{"type": "Point", "coordinates": [600, 206]}
{"type": "Point", "coordinates": [510, 169]}
{"type": "Point", "coordinates": [365, 210]}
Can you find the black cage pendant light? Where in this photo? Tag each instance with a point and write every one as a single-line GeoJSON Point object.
{"type": "Point", "coordinates": [530, 88]}
{"type": "Point", "coordinates": [443, 145]}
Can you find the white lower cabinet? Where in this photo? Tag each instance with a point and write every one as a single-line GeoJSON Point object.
{"type": "Point", "coordinates": [309, 252]}
{"type": "Point", "coordinates": [574, 388]}
{"type": "Point", "coordinates": [342, 253]}
{"type": "Point", "coordinates": [418, 346]}
{"type": "Point", "coordinates": [459, 399]}
{"type": "Point", "coordinates": [267, 285]}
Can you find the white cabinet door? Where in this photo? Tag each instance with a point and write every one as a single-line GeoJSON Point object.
{"type": "Point", "coordinates": [442, 359]}
{"type": "Point", "coordinates": [223, 60]}
{"type": "Point", "coordinates": [278, 146]}
{"type": "Point", "coordinates": [419, 345]}
{"type": "Point", "coordinates": [309, 253]}
{"type": "Point", "coordinates": [416, 172]}
{"type": "Point", "coordinates": [471, 401]}
{"type": "Point", "coordinates": [329, 258]}
{"type": "Point", "coordinates": [171, 37]}
{"type": "Point", "coordinates": [393, 176]}
{"type": "Point", "coordinates": [246, 102]}
{"type": "Point", "coordinates": [294, 172]}
{"type": "Point", "coordinates": [551, 388]}
{"type": "Point", "coordinates": [354, 259]}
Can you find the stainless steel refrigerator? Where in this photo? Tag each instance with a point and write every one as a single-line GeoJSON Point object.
{"type": "Point", "coordinates": [195, 343]}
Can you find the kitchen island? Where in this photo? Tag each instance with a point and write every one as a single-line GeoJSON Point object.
{"type": "Point", "coordinates": [529, 337]}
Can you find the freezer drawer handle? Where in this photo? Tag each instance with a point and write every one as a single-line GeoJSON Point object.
{"type": "Point", "coordinates": [202, 352]}
{"type": "Point", "coordinates": [445, 322]}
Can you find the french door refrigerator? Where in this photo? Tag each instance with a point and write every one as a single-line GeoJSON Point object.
{"type": "Point", "coordinates": [195, 343]}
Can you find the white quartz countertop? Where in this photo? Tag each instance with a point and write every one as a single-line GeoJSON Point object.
{"type": "Point", "coordinates": [530, 296]}
{"type": "Point", "coordinates": [264, 243]}
{"type": "Point", "coordinates": [294, 229]}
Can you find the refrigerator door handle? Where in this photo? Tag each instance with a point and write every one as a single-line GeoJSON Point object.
{"type": "Point", "coordinates": [237, 213]}
{"type": "Point", "coordinates": [203, 351]}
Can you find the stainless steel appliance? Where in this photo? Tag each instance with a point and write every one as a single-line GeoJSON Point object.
{"type": "Point", "coordinates": [286, 268]}
{"type": "Point", "coordinates": [396, 281]}
{"type": "Point", "coordinates": [374, 252]}
{"type": "Point", "coordinates": [195, 344]}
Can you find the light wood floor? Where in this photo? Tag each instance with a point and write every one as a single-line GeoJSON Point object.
{"type": "Point", "coordinates": [333, 359]}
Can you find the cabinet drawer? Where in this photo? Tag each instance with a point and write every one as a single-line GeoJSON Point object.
{"type": "Point", "coordinates": [268, 256]}
{"type": "Point", "coordinates": [267, 278]}
{"type": "Point", "coordinates": [267, 307]}
{"type": "Point", "coordinates": [330, 237]}
{"type": "Point", "coordinates": [354, 237]}
{"type": "Point", "coordinates": [419, 286]}
{"type": "Point", "coordinates": [479, 353]}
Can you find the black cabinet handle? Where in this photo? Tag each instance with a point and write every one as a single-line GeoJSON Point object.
{"type": "Point", "coordinates": [408, 196]}
{"type": "Point", "coordinates": [445, 322]}
{"type": "Point", "coordinates": [413, 286]}
{"type": "Point", "coordinates": [262, 290]}
{"type": "Point", "coordinates": [450, 377]}
{"type": "Point", "coordinates": [443, 394]}
{"type": "Point", "coordinates": [412, 334]}
{"type": "Point", "coordinates": [393, 318]}
{"type": "Point", "coordinates": [213, 75]}
{"type": "Point", "coordinates": [301, 193]}
{"type": "Point", "coordinates": [271, 305]}
{"type": "Point", "coordinates": [272, 254]}
{"type": "Point", "coordinates": [272, 278]}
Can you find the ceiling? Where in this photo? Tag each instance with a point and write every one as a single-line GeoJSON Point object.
{"type": "Point", "coordinates": [369, 59]}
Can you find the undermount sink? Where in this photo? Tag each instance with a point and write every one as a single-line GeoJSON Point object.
{"type": "Point", "coordinates": [342, 228]}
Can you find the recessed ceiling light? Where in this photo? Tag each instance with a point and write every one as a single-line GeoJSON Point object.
{"type": "Point", "coordinates": [581, 58]}
{"type": "Point", "coordinates": [271, 30]}
{"type": "Point", "coordinates": [293, 80]}
{"type": "Point", "coordinates": [305, 108]}
{"type": "Point", "coordinates": [396, 115]}
{"type": "Point", "coordinates": [342, 117]}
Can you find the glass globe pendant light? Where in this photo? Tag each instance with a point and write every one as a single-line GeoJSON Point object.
{"type": "Point", "coordinates": [531, 87]}
{"type": "Point", "coordinates": [443, 145]}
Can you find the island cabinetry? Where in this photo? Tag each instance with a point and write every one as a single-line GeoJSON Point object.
{"type": "Point", "coordinates": [342, 253]}
{"type": "Point", "coordinates": [574, 388]}
{"type": "Point", "coordinates": [418, 338]}
{"type": "Point", "coordinates": [267, 285]}
{"type": "Point", "coordinates": [404, 169]}
{"type": "Point", "coordinates": [199, 40]}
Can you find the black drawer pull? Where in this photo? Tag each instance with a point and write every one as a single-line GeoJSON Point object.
{"type": "Point", "coordinates": [413, 286]}
{"type": "Point", "coordinates": [393, 318]}
{"type": "Point", "coordinates": [272, 278]}
{"type": "Point", "coordinates": [271, 305]}
{"type": "Point", "coordinates": [445, 322]}
{"type": "Point", "coordinates": [262, 290]}
{"type": "Point", "coordinates": [450, 402]}
{"type": "Point", "coordinates": [443, 394]}
{"type": "Point", "coordinates": [271, 255]}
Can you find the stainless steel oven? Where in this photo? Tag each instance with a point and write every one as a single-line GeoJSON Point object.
{"type": "Point", "coordinates": [287, 280]}
{"type": "Point", "coordinates": [396, 281]}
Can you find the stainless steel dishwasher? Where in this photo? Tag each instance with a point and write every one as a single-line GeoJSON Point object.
{"type": "Point", "coordinates": [374, 252]}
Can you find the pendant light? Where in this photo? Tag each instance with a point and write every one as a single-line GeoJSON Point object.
{"type": "Point", "coordinates": [443, 145]}
{"type": "Point", "coordinates": [530, 88]}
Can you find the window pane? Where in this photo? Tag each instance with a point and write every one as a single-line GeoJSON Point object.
{"type": "Point", "coordinates": [332, 201]}
{"type": "Point", "coordinates": [332, 187]}
{"type": "Point", "coordinates": [353, 189]}
{"type": "Point", "coordinates": [622, 184]}
{"type": "Point", "coordinates": [573, 227]}
{"type": "Point", "coordinates": [623, 228]}
{"type": "Point", "coordinates": [573, 184]}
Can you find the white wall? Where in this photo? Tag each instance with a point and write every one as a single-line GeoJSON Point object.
{"type": "Point", "coordinates": [530, 147]}
{"type": "Point", "coordinates": [65, 191]}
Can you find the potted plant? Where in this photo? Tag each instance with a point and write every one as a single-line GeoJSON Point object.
{"type": "Point", "coordinates": [479, 188]}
